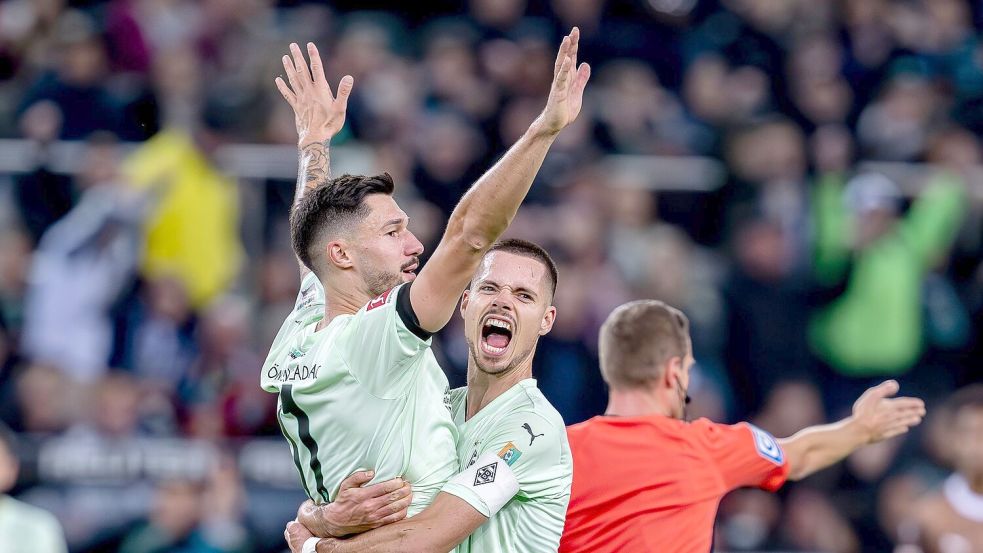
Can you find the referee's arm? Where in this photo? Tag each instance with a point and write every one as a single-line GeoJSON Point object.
{"type": "Point", "coordinates": [876, 417]}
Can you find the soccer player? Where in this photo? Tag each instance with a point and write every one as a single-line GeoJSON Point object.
{"type": "Point", "coordinates": [512, 448]}
{"type": "Point", "coordinates": [358, 385]}
{"type": "Point", "coordinates": [646, 480]}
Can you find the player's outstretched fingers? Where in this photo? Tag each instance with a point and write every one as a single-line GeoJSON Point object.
{"type": "Point", "coordinates": [291, 71]}
{"type": "Point", "coordinates": [561, 55]}
{"type": "Point", "coordinates": [300, 63]}
{"type": "Point", "coordinates": [344, 91]}
{"type": "Point", "coordinates": [317, 67]}
{"type": "Point", "coordinates": [285, 91]}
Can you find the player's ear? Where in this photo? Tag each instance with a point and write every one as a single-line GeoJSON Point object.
{"type": "Point", "coordinates": [339, 254]}
{"type": "Point", "coordinates": [546, 325]}
{"type": "Point", "coordinates": [464, 301]}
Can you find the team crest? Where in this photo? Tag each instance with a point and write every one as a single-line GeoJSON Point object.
{"type": "Point", "coordinates": [510, 454]}
{"type": "Point", "coordinates": [767, 446]}
{"type": "Point", "coordinates": [486, 474]}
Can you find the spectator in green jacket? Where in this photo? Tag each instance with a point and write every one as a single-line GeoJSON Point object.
{"type": "Point", "coordinates": [875, 328]}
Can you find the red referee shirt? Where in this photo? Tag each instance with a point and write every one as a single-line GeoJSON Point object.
{"type": "Point", "coordinates": [653, 483]}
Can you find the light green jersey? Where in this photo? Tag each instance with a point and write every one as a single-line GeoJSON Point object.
{"type": "Point", "coordinates": [523, 429]}
{"type": "Point", "coordinates": [364, 392]}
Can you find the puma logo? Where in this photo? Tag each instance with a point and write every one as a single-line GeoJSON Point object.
{"type": "Point", "coordinates": [532, 437]}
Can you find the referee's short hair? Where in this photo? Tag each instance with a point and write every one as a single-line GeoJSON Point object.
{"type": "Point", "coordinates": [638, 338]}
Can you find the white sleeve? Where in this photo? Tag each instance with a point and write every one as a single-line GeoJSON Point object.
{"type": "Point", "coordinates": [487, 485]}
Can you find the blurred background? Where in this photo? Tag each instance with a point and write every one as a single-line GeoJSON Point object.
{"type": "Point", "coordinates": [801, 177]}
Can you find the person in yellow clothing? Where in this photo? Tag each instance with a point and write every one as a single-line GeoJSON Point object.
{"type": "Point", "coordinates": [23, 528]}
{"type": "Point", "coordinates": [193, 234]}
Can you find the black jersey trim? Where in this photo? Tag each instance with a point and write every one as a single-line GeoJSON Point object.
{"type": "Point", "coordinates": [304, 429]}
{"type": "Point", "coordinates": [405, 310]}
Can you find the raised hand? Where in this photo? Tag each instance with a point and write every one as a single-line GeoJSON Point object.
{"type": "Point", "coordinates": [567, 92]}
{"type": "Point", "coordinates": [318, 114]}
{"type": "Point", "coordinates": [882, 416]}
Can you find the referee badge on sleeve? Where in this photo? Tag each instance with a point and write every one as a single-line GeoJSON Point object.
{"type": "Point", "coordinates": [767, 446]}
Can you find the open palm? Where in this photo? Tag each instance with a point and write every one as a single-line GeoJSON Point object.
{"type": "Point", "coordinates": [567, 92]}
{"type": "Point", "coordinates": [318, 113]}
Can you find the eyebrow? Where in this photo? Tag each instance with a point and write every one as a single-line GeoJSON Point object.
{"type": "Point", "coordinates": [397, 221]}
{"type": "Point", "coordinates": [514, 288]}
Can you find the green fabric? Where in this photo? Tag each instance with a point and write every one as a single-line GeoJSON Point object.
{"type": "Point", "coordinates": [362, 393]}
{"type": "Point", "coordinates": [875, 327]}
{"type": "Point", "coordinates": [522, 427]}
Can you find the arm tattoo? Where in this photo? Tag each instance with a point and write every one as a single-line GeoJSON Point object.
{"type": "Point", "coordinates": [315, 168]}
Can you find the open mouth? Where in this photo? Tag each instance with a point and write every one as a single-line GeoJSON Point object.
{"type": "Point", "coordinates": [496, 335]}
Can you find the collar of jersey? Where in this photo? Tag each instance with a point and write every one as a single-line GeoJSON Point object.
{"type": "Point", "coordinates": [516, 389]}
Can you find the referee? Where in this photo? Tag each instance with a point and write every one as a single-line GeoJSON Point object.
{"type": "Point", "coordinates": [646, 480]}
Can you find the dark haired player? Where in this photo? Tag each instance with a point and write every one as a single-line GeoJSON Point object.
{"type": "Point", "coordinates": [358, 385]}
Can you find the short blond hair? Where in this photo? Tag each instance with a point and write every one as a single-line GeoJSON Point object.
{"type": "Point", "coordinates": [638, 338]}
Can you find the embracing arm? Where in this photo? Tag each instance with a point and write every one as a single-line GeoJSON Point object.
{"type": "Point", "coordinates": [318, 114]}
{"type": "Point", "coordinates": [876, 417]}
{"type": "Point", "coordinates": [448, 521]}
{"type": "Point", "coordinates": [487, 209]}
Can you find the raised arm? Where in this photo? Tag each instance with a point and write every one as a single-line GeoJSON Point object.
{"type": "Point", "coordinates": [487, 209]}
{"type": "Point", "coordinates": [876, 417]}
{"type": "Point", "coordinates": [318, 115]}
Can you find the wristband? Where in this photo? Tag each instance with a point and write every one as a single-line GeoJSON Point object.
{"type": "Point", "coordinates": [310, 545]}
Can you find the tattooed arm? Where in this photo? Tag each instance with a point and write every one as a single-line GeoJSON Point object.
{"type": "Point", "coordinates": [318, 115]}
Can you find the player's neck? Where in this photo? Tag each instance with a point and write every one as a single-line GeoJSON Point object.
{"type": "Point", "coordinates": [636, 403]}
{"type": "Point", "coordinates": [484, 388]}
{"type": "Point", "coordinates": [340, 302]}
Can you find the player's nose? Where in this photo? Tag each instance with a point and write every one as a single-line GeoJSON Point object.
{"type": "Point", "coordinates": [413, 247]}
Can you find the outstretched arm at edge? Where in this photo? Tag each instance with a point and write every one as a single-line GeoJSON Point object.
{"type": "Point", "coordinates": [876, 417]}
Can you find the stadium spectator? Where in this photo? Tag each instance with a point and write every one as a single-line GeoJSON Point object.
{"type": "Point", "coordinates": [951, 518]}
{"type": "Point", "coordinates": [81, 267]}
{"type": "Point", "coordinates": [77, 85]}
{"type": "Point", "coordinates": [23, 527]}
{"type": "Point", "coordinates": [875, 328]}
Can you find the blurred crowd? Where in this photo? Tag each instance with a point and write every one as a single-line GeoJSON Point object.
{"type": "Point", "coordinates": [131, 311]}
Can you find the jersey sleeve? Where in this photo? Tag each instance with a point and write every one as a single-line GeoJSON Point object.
{"type": "Point", "coordinates": [743, 455]}
{"type": "Point", "coordinates": [527, 449]}
{"type": "Point", "coordinates": [308, 309]}
{"type": "Point", "coordinates": [382, 343]}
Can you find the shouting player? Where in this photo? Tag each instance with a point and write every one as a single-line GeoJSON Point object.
{"type": "Point", "coordinates": [646, 480]}
{"type": "Point", "coordinates": [512, 448]}
{"type": "Point", "coordinates": [358, 385]}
